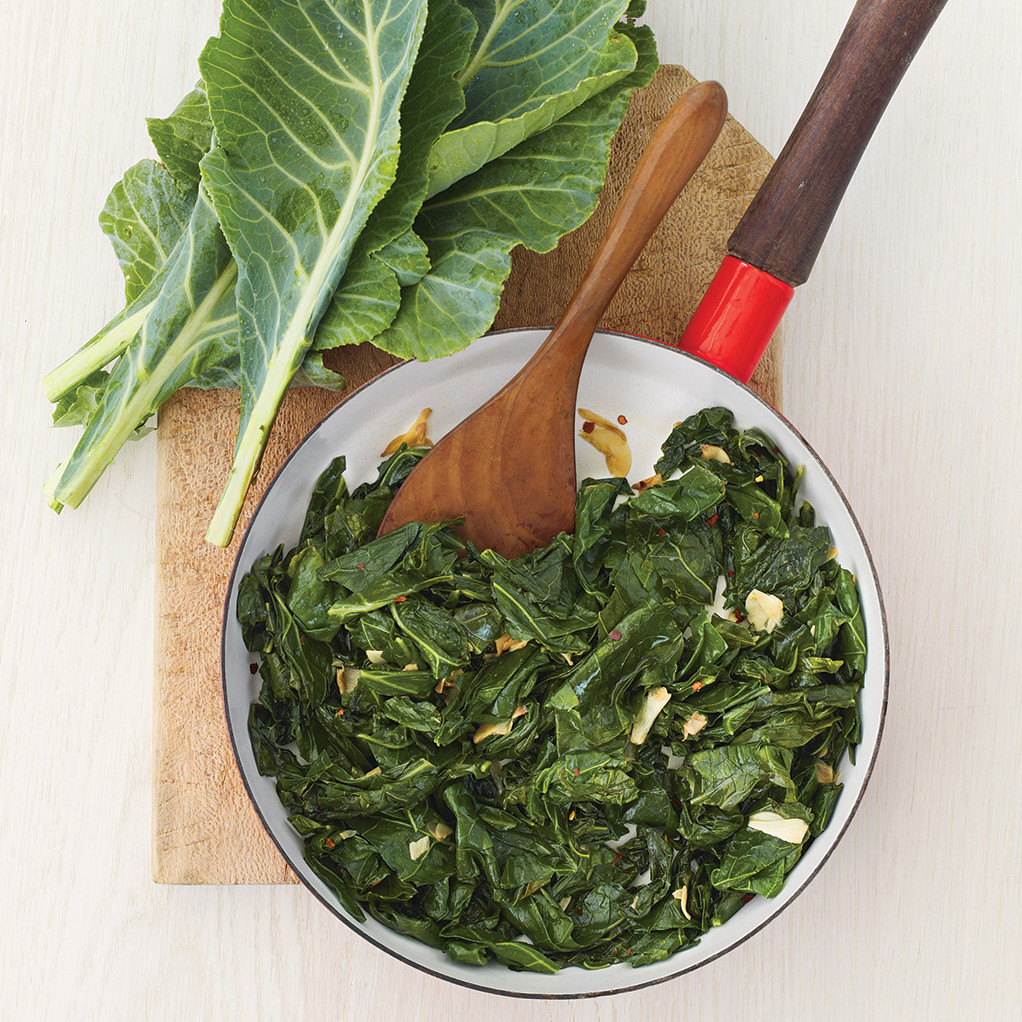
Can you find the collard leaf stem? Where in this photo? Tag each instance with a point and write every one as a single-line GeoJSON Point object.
{"type": "Point", "coordinates": [305, 103]}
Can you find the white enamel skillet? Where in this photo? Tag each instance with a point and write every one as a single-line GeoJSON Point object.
{"type": "Point", "coordinates": [653, 386]}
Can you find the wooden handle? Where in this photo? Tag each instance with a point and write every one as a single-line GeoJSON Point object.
{"type": "Point", "coordinates": [678, 146]}
{"type": "Point", "coordinates": [785, 225]}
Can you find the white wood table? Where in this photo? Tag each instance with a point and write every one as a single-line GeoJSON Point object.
{"type": "Point", "coordinates": [903, 366]}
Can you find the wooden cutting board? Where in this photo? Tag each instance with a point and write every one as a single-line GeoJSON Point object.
{"type": "Point", "coordinates": [204, 828]}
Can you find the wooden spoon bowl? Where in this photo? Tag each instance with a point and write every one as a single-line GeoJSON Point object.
{"type": "Point", "coordinates": [508, 470]}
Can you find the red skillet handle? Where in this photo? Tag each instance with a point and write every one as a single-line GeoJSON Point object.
{"type": "Point", "coordinates": [774, 246]}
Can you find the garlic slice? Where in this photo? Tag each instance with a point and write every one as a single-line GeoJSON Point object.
{"type": "Point", "coordinates": [711, 452]}
{"type": "Point", "coordinates": [769, 822]}
{"type": "Point", "coordinates": [693, 725]}
{"type": "Point", "coordinates": [655, 702]}
{"type": "Point", "coordinates": [681, 894]}
{"type": "Point", "coordinates": [644, 484]}
{"type": "Point", "coordinates": [440, 831]}
{"type": "Point", "coordinates": [417, 849]}
{"type": "Point", "coordinates": [502, 727]}
{"type": "Point", "coordinates": [347, 679]}
{"type": "Point", "coordinates": [609, 439]}
{"type": "Point", "coordinates": [505, 644]}
{"type": "Point", "coordinates": [415, 436]}
{"type": "Point", "coordinates": [764, 610]}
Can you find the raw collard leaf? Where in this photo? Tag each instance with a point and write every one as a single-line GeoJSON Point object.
{"type": "Point", "coordinates": [408, 257]}
{"type": "Point", "coordinates": [389, 255]}
{"type": "Point", "coordinates": [319, 200]}
{"type": "Point", "coordinates": [367, 299]}
{"type": "Point", "coordinates": [456, 301]}
{"type": "Point", "coordinates": [532, 62]}
{"type": "Point", "coordinates": [531, 196]}
{"type": "Point", "coordinates": [218, 337]}
{"type": "Point", "coordinates": [76, 407]}
{"type": "Point", "coordinates": [313, 372]}
{"type": "Point", "coordinates": [552, 45]}
{"type": "Point", "coordinates": [434, 98]}
{"type": "Point", "coordinates": [144, 216]}
{"type": "Point", "coordinates": [184, 138]}
{"type": "Point", "coordinates": [363, 305]}
{"type": "Point", "coordinates": [305, 101]}
{"type": "Point", "coordinates": [171, 349]}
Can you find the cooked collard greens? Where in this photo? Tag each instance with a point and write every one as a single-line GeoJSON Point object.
{"type": "Point", "coordinates": [588, 755]}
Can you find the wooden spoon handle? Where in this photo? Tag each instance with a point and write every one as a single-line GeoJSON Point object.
{"type": "Point", "coordinates": [785, 225]}
{"type": "Point", "coordinates": [679, 144]}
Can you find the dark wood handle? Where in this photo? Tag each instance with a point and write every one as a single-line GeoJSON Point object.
{"type": "Point", "coordinates": [785, 225]}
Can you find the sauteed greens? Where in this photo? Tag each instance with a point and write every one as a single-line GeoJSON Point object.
{"type": "Point", "coordinates": [588, 755]}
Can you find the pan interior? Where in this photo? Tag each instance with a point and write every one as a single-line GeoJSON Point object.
{"type": "Point", "coordinates": [653, 387]}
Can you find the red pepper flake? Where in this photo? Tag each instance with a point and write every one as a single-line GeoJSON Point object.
{"type": "Point", "coordinates": [575, 771]}
{"type": "Point", "coordinates": [253, 668]}
{"type": "Point", "coordinates": [400, 599]}
{"type": "Point", "coordinates": [713, 519]}
{"type": "Point", "coordinates": [617, 954]}
{"type": "Point", "coordinates": [578, 911]}
{"type": "Point", "coordinates": [375, 882]}
{"type": "Point", "coordinates": [738, 617]}
{"type": "Point", "coordinates": [622, 420]}
{"type": "Point", "coordinates": [628, 952]}
{"type": "Point", "coordinates": [361, 567]}
{"type": "Point", "coordinates": [676, 802]}
{"type": "Point", "coordinates": [329, 842]}
{"type": "Point", "coordinates": [748, 897]}
{"type": "Point", "coordinates": [755, 514]}
{"type": "Point", "coordinates": [618, 858]}
{"type": "Point", "coordinates": [730, 572]}
{"type": "Point", "coordinates": [777, 449]}
{"type": "Point", "coordinates": [696, 686]}
{"type": "Point", "coordinates": [301, 640]}
{"type": "Point", "coordinates": [340, 713]}
{"type": "Point", "coordinates": [661, 532]}
{"type": "Point", "coordinates": [614, 635]}
{"type": "Point", "coordinates": [588, 427]}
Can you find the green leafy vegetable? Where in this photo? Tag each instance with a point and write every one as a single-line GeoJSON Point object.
{"type": "Point", "coordinates": [363, 186]}
{"type": "Point", "coordinates": [175, 345]}
{"type": "Point", "coordinates": [389, 254]}
{"type": "Point", "coordinates": [307, 144]}
{"type": "Point", "coordinates": [184, 138]}
{"type": "Point", "coordinates": [584, 756]}
{"type": "Point", "coordinates": [560, 53]}
{"type": "Point", "coordinates": [145, 217]}
{"type": "Point", "coordinates": [471, 228]}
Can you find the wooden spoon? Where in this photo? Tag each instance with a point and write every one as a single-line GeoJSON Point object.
{"type": "Point", "coordinates": [508, 470]}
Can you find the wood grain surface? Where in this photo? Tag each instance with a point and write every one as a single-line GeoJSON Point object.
{"type": "Point", "coordinates": [204, 828]}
